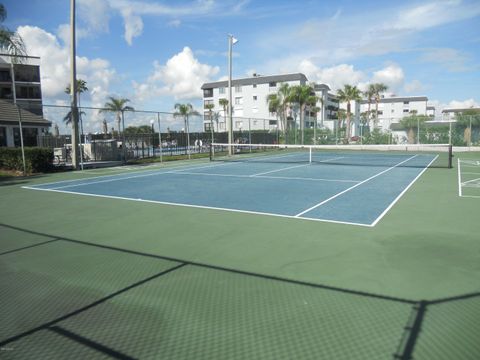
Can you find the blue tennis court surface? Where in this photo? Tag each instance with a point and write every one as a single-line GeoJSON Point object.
{"type": "Point", "coordinates": [343, 193]}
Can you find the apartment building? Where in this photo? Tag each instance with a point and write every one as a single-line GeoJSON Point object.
{"type": "Point", "coordinates": [451, 113]}
{"type": "Point", "coordinates": [20, 84]}
{"type": "Point", "coordinates": [249, 98]}
{"type": "Point", "coordinates": [393, 109]}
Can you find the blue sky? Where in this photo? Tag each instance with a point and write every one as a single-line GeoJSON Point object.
{"type": "Point", "coordinates": [158, 53]}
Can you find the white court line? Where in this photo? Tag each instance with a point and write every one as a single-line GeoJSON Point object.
{"type": "Point", "coordinates": [293, 167]}
{"type": "Point", "coordinates": [277, 170]}
{"type": "Point", "coordinates": [199, 206]}
{"type": "Point", "coordinates": [352, 187]}
{"type": "Point", "coordinates": [260, 177]}
{"type": "Point", "coordinates": [470, 181]}
{"type": "Point", "coordinates": [118, 176]}
{"type": "Point", "coordinates": [402, 193]}
{"type": "Point", "coordinates": [459, 178]}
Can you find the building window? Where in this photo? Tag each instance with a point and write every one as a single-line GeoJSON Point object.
{"type": "Point", "coordinates": [406, 110]}
{"type": "Point", "coordinates": [6, 92]}
{"type": "Point", "coordinates": [272, 122]}
{"type": "Point", "coordinates": [406, 102]}
{"type": "Point", "coordinates": [221, 90]}
{"type": "Point", "coordinates": [238, 101]}
{"type": "Point", "coordinates": [27, 73]}
{"type": "Point", "coordinates": [254, 97]}
{"type": "Point", "coordinates": [207, 102]}
{"type": "Point", "coordinates": [238, 89]}
{"type": "Point", "coordinates": [5, 76]}
{"type": "Point", "coordinates": [254, 86]}
{"type": "Point", "coordinates": [207, 92]}
{"type": "Point", "coordinates": [28, 92]}
{"type": "Point", "coordinates": [393, 110]}
{"type": "Point", "coordinates": [3, 136]}
{"type": "Point", "coordinates": [272, 84]}
{"type": "Point", "coordinates": [238, 124]}
{"type": "Point", "coordinates": [380, 112]}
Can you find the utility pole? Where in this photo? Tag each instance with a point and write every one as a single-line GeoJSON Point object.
{"type": "Point", "coordinates": [73, 87]}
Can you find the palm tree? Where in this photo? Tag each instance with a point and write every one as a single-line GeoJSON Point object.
{"type": "Point", "coordinates": [117, 105]}
{"type": "Point", "coordinates": [377, 89]}
{"type": "Point", "coordinates": [369, 95]}
{"type": "Point", "coordinates": [185, 110]}
{"type": "Point", "coordinates": [274, 106]}
{"type": "Point", "coordinates": [348, 94]}
{"type": "Point", "coordinates": [10, 41]}
{"type": "Point", "coordinates": [224, 103]}
{"type": "Point", "coordinates": [302, 95]}
{"type": "Point", "coordinates": [210, 107]}
{"type": "Point", "coordinates": [67, 119]}
{"type": "Point", "coordinates": [80, 88]}
{"type": "Point", "coordinates": [412, 124]}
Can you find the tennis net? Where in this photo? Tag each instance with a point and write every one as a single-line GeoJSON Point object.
{"type": "Point", "coordinates": [425, 155]}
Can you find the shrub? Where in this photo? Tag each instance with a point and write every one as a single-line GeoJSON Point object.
{"type": "Point", "coordinates": [36, 159]}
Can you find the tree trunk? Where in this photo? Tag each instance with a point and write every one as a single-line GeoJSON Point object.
{"type": "Point", "coordinates": [411, 136]}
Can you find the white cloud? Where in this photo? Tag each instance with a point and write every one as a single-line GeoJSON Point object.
{"type": "Point", "coordinates": [433, 14]}
{"type": "Point", "coordinates": [414, 86]}
{"type": "Point", "coordinates": [133, 25]}
{"type": "Point", "coordinates": [55, 71]}
{"type": "Point", "coordinates": [392, 76]}
{"type": "Point", "coordinates": [132, 12]}
{"type": "Point", "coordinates": [181, 77]}
{"type": "Point", "coordinates": [463, 104]}
{"type": "Point", "coordinates": [349, 35]}
{"type": "Point", "coordinates": [452, 59]}
{"type": "Point", "coordinates": [336, 76]}
{"type": "Point", "coordinates": [95, 14]}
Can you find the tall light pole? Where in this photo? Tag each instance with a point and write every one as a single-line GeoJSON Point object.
{"type": "Point", "coordinates": [231, 42]}
{"type": "Point", "coordinates": [73, 87]}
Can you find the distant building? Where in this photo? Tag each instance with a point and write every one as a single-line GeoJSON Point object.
{"type": "Point", "coordinates": [450, 113]}
{"type": "Point", "coordinates": [20, 84]}
{"type": "Point", "coordinates": [250, 106]}
{"type": "Point", "coordinates": [393, 109]}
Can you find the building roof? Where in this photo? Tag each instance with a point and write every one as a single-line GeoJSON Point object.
{"type": "Point", "coordinates": [9, 115]}
{"type": "Point", "coordinates": [459, 110]}
{"type": "Point", "coordinates": [257, 80]}
{"type": "Point", "coordinates": [398, 99]}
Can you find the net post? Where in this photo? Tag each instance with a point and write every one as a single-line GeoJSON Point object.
{"type": "Point", "coordinates": [211, 152]}
{"type": "Point", "coordinates": [450, 156]}
{"type": "Point", "coordinates": [310, 155]}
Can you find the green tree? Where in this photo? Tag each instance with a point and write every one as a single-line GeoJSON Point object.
{"type": "Point", "coordinates": [348, 94]}
{"type": "Point", "coordinates": [468, 121]}
{"type": "Point", "coordinates": [377, 90]}
{"type": "Point", "coordinates": [412, 124]}
{"type": "Point", "coordinates": [302, 95]}
{"type": "Point", "coordinates": [67, 119]}
{"type": "Point", "coordinates": [210, 107]}
{"type": "Point", "coordinates": [10, 41]}
{"type": "Point", "coordinates": [369, 95]}
{"type": "Point", "coordinates": [224, 103]}
{"type": "Point", "coordinates": [185, 111]}
{"type": "Point", "coordinates": [118, 106]}
{"type": "Point", "coordinates": [80, 88]}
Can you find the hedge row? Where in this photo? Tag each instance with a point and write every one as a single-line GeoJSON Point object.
{"type": "Point", "coordinates": [36, 159]}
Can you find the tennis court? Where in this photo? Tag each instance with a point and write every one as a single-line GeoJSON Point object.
{"type": "Point", "coordinates": [276, 184]}
{"type": "Point", "coordinates": [185, 260]}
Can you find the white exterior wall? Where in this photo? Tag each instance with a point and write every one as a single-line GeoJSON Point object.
{"type": "Point", "coordinates": [392, 110]}
{"type": "Point", "coordinates": [249, 102]}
